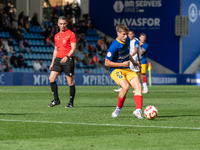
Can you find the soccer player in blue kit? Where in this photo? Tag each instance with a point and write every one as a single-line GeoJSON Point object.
{"type": "Point", "coordinates": [117, 58]}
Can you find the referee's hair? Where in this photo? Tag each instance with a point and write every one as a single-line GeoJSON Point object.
{"type": "Point", "coordinates": [122, 28]}
{"type": "Point", "coordinates": [62, 18]}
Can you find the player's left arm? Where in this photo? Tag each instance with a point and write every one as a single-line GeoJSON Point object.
{"type": "Point", "coordinates": [144, 49]}
{"type": "Point", "coordinates": [136, 45]}
{"type": "Point", "coordinates": [135, 63]}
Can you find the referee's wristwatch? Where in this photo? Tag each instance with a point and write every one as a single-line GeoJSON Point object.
{"type": "Point", "coordinates": [67, 56]}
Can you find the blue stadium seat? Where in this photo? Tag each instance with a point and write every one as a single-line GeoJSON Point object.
{"type": "Point", "coordinates": [16, 48]}
{"type": "Point", "coordinates": [34, 56]}
{"type": "Point", "coordinates": [46, 56]}
{"type": "Point", "coordinates": [30, 42]}
{"type": "Point", "coordinates": [50, 56]}
{"type": "Point", "coordinates": [14, 69]}
{"type": "Point", "coordinates": [30, 56]}
{"type": "Point", "coordinates": [38, 56]}
{"type": "Point", "coordinates": [26, 70]}
{"type": "Point", "coordinates": [41, 42]}
{"type": "Point", "coordinates": [26, 56]}
{"type": "Point", "coordinates": [37, 42]}
{"type": "Point", "coordinates": [102, 70]}
{"type": "Point", "coordinates": [49, 63]}
{"type": "Point", "coordinates": [42, 56]}
{"type": "Point", "coordinates": [18, 70]}
{"type": "Point", "coordinates": [28, 62]}
{"type": "Point", "coordinates": [3, 34]}
{"type": "Point", "coordinates": [22, 70]}
{"type": "Point", "coordinates": [30, 70]}
{"type": "Point", "coordinates": [40, 49]}
{"type": "Point", "coordinates": [41, 29]}
{"type": "Point", "coordinates": [98, 70]}
{"type": "Point", "coordinates": [36, 49]}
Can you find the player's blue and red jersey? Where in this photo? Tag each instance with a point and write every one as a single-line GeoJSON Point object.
{"type": "Point", "coordinates": [144, 46]}
{"type": "Point", "coordinates": [118, 52]}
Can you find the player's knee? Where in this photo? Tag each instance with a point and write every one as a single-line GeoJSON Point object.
{"type": "Point", "coordinates": [126, 87]}
{"type": "Point", "coordinates": [71, 83]}
{"type": "Point", "coordinates": [51, 79]}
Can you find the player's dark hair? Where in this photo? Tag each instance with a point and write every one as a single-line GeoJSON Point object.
{"type": "Point", "coordinates": [122, 27]}
{"type": "Point", "coordinates": [131, 31]}
{"type": "Point", "coordinates": [143, 34]}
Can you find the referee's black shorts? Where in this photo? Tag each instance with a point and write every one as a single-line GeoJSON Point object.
{"type": "Point", "coordinates": [67, 67]}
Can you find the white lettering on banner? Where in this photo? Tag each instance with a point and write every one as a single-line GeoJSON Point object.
{"type": "Point", "coordinates": [36, 79]}
{"type": "Point", "coordinates": [1, 81]}
{"type": "Point", "coordinates": [195, 80]}
{"type": "Point", "coordinates": [59, 80]}
{"type": "Point", "coordinates": [44, 80]}
{"type": "Point", "coordinates": [137, 22]}
{"type": "Point", "coordinates": [148, 3]}
{"type": "Point", "coordinates": [97, 80]}
{"type": "Point", "coordinates": [164, 80]}
{"type": "Point", "coordinates": [86, 80]}
{"type": "Point", "coordinates": [134, 5]}
{"type": "Point", "coordinates": [41, 79]}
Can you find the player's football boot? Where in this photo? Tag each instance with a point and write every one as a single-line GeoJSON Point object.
{"type": "Point", "coordinates": [143, 91]}
{"type": "Point", "coordinates": [54, 103]}
{"type": "Point", "coordinates": [117, 90]}
{"type": "Point", "coordinates": [138, 113]}
{"type": "Point", "coordinates": [116, 112]}
{"type": "Point", "coordinates": [69, 105]}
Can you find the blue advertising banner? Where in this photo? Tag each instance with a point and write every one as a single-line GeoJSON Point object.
{"type": "Point", "coordinates": [155, 18]}
{"type": "Point", "coordinates": [42, 79]}
{"type": "Point", "coordinates": [190, 43]}
{"type": "Point", "coordinates": [165, 79]}
{"type": "Point", "coordinates": [6, 78]}
{"type": "Point", "coordinates": [80, 79]}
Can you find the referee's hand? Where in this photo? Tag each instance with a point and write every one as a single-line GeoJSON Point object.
{"type": "Point", "coordinates": [63, 60]}
{"type": "Point", "coordinates": [50, 67]}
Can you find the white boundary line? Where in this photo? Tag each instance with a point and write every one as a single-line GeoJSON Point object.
{"type": "Point", "coordinates": [94, 124]}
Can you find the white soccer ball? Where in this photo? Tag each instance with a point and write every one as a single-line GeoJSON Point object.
{"type": "Point", "coordinates": [150, 112]}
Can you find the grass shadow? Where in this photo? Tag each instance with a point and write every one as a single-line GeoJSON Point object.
{"type": "Point", "coordinates": [16, 114]}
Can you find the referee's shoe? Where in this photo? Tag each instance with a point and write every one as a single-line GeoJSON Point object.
{"type": "Point", "coordinates": [69, 105]}
{"type": "Point", "coordinates": [54, 103]}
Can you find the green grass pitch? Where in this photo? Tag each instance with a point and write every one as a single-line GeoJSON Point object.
{"type": "Point", "coordinates": [26, 123]}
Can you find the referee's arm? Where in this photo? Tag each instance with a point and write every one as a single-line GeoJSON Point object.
{"type": "Point", "coordinates": [54, 56]}
{"type": "Point", "coordinates": [73, 46]}
{"type": "Point", "coordinates": [73, 49]}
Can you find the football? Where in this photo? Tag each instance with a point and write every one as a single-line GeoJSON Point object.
{"type": "Point", "coordinates": [150, 112]}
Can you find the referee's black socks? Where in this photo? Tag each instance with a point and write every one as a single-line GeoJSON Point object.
{"type": "Point", "coordinates": [72, 93]}
{"type": "Point", "coordinates": [54, 89]}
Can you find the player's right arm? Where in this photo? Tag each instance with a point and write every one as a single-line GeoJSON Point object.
{"type": "Point", "coordinates": [109, 63]}
{"type": "Point", "coordinates": [54, 56]}
{"type": "Point", "coordinates": [110, 56]}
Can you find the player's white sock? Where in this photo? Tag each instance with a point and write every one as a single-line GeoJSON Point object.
{"type": "Point", "coordinates": [145, 86]}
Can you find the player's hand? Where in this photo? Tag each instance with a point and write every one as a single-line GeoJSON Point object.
{"type": "Point", "coordinates": [125, 64]}
{"type": "Point", "coordinates": [63, 60]}
{"type": "Point", "coordinates": [50, 67]}
{"type": "Point", "coordinates": [137, 65]}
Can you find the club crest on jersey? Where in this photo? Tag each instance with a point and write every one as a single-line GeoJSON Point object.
{"type": "Point", "coordinates": [109, 54]}
{"type": "Point", "coordinates": [57, 37]}
{"type": "Point", "coordinates": [120, 76]}
{"type": "Point", "coordinates": [64, 41]}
